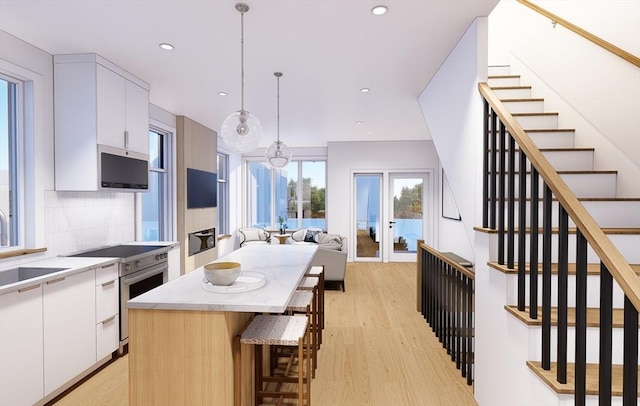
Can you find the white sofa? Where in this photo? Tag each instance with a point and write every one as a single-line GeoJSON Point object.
{"type": "Point", "coordinates": [332, 252]}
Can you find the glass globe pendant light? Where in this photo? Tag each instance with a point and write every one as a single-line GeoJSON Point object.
{"type": "Point", "coordinates": [278, 154]}
{"type": "Point", "coordinates": [241, 131]}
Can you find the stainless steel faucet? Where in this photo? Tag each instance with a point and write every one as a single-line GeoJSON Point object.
{"type": "Point", "coordinates": [3, 233]}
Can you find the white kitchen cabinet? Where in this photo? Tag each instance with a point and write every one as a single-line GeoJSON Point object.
{"type": "Point", "coordinates": [107, 311]}
{"type": "Point", "coordinates": [21, 368]}
{"type": "Point", "coordinates": [95, 103]}
{"type": "Point", "coordinates": [69, 321]}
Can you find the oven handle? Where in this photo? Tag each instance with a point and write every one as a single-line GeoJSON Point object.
{"type": "Point", "coordinates": [145, 274]}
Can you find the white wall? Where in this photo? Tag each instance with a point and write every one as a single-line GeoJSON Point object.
{"type": "Point", "coordinates": [594, 91]}
{"type": "Point", "coordinates": [452, 108]}
{"type": "Point", "coordinates": [344, 158]}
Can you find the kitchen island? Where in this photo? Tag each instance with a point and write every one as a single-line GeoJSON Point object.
{"type": "Point", "coordinates": [181, 335]}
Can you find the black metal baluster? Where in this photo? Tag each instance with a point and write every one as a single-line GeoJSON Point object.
{"type": "Point", "coordinates": [425, 293]}
{"type": "Point", "coordinates": [470, 331]}
{"type": "Point", "coordinates": [581, 320]}
{"type": "Point", "coordinates": [522, 232]}
{"type": "Point", "coordinates": [501, 193]}
{"type": "Point", "coordinates": [485, 167]}
{"type": "Point", "coordinates": [546, 278]}
{"type": "Point", "coordinates": [447, 308]}
{"type": "Point", "coordinates": [630, 367]}
{"type": "Point", "coordinates": [563, 272]}
{"type": "Point", "coordinates": [511, 203]}
{"type": "Point", "coordinates": [606, 344]}
{"type": "Point", "coordinates": [533, 244]}
{"type": "Point", "coordinates": [494, 172]}
{"type": "Point", "coordinates": [463, 326]}
{"type": "Point", "coordinates": [458, 319]}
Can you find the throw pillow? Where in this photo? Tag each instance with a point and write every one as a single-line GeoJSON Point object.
{"type": "Point", "coordinates": [251, 234]}
{"type": "Point", "coordinates": [309, 237]}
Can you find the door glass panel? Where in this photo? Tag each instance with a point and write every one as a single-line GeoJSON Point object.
{"type": "Point", "coordinates": [368, 227]}
{"type": "Point", "coordinates": [313, 194]}
{"type": "Point", "coordinates": [407, 213]}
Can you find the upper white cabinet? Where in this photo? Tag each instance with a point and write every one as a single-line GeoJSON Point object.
{"type": "Point", "coordinates": [96, 103]}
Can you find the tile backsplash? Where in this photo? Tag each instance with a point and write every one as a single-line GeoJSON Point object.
{"type": "Point", "coordinates": [76, 221]}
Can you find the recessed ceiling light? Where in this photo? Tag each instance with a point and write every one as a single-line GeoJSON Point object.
{"type": "Point", "coordinates": [358, 122]}
{"type": "Point", "coordinates": [166, 46]}
{"type": "Point", "coordinates": [365, 90]}
{"type": "Point", "coordinates": [222, 93]}
{"type": "Point", "coordinates": [379, 10]}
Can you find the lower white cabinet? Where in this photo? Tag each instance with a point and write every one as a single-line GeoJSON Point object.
{"type": "Point", "coordinates": [107, 309]}
{"type": "Point", "coordinates": [21, 367]}
{"type": "Point", "coordinates": [69, 328]}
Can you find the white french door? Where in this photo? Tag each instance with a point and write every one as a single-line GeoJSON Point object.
{"type": "Point", "coordinates": [407, 203]}
{"type": "Point", "coordinates": [390, 215]}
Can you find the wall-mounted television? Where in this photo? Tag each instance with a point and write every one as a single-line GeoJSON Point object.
{"type": "Point", "coordinates": [202, 189]}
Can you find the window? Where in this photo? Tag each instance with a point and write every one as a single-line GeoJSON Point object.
{"type": "Point", "coordinates": [296, 193]}
{"type": "Point", "coordinates": [223, 194]}
{"type": "Point", "coordinates": [8, 162]}
{"type": "Point", "coordinates": [156, 213]}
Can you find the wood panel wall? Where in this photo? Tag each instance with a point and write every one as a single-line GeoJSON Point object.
{"type": "Point", "coordinates": [197, 148]}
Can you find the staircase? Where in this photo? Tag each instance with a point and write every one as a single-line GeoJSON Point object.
{"type": "Point", "coordinates": [518, 333]}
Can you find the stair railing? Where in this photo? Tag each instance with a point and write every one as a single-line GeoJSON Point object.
{"type": "Point", "coordinates": [446, 301]}
{"type": "Point", "coordinates": [502, 134]}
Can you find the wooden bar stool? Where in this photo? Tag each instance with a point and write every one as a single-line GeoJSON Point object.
{"type": "Point", "coordinates": [281, 330]}
{"type": "Point", "coordinates": [301, 303]}
{"type": "Point", "coordinates": [312, 283]}
{"type": "Point", "coordinates": [318, 272]}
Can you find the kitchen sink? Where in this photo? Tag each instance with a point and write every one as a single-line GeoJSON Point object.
{"type": "Point", "coordinates": [24, 273]}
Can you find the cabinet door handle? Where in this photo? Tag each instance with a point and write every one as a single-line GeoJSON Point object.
{"type": "Point", "coordinates": [55, 281]}
{"type": "Point", "coordinates": [107, 266]}
{"type": "Point", "coordinates": [126, 139]}
{"type": "Point", "coordinates": [104, 285]}
{"type": "Point", "coordinates": [29, 288]}
{"type": "Point", "coordinates": [109, 319]}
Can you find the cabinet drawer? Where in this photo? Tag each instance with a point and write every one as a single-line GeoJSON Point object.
{"type": "Point", "coordinates": [106, 273]}
{"type": "Point", "coordinates": [107, 336]}
{"type": "Point", "coordinates": [106, 300]}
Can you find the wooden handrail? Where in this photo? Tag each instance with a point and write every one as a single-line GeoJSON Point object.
{"type": "Point", "coordinates": [585, 34]}
{"type": "Point", "coordinates": [448, 260]}
{"type": "Point", "coordinates": [601, 244]}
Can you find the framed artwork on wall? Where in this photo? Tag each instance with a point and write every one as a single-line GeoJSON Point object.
{"type": "Point", "coordinates": [449, 208]}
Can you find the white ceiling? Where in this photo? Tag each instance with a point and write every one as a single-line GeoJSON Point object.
{"type": "Point", "coordinates": [327, 50]}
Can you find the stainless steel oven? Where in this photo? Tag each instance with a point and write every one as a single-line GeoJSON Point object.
{"type": "Point", "coordinates": [141, 268]}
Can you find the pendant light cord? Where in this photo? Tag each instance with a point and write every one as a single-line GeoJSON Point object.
{"type": "Point", "coordinates": [242, 61]}
{"type": "Point", "coordinates": [278, 121]}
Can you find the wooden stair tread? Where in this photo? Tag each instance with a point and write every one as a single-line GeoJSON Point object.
{"type": "Point", "coordinates": [516, 100]}
{"type": "Point", "coordinates": [552, 149]}
{"type": "Point", "coordinates": [599, 199]}
{"type": "Point", "coordinates": [592, 269]}
{"type": "Point", "coordinates": [572, 230]}
{"type": "Point", "coordinates": [549, 130]}
{"type": "Point", "coordinates": [593, 316]}
{"type": "Point", "coordinates": [503, 76]}
{"type": "Point", "coordinates": [591, 382]}
{"type": "Point", "coordinates": [509, 87]}
{"type": "Point", "coordinates": [534, 114]}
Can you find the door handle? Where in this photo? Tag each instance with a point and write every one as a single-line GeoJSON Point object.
{"type": "Point", "coordinates": [391, 223]}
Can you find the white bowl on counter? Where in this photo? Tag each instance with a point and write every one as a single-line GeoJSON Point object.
{"type": "Point", "coordinates": [222, 273]}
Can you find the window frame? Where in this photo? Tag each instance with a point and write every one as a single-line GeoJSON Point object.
{"type": "Point", "coordinates": [272, 195]}
{"type": "Point", "coordinates": [222, 213]}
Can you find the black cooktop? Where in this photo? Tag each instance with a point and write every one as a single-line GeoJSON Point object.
{"type": "Point", "coordinates": [121, 251]}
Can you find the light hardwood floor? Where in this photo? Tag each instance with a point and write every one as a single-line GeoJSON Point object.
{"type": "Point", "coordinates": [377, 350]}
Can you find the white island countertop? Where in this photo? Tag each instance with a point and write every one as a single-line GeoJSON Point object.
{"type": "Point", "coordinates": [283, 265]}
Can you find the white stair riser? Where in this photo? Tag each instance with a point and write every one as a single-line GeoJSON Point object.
{"type": "Point", "coordinates": [582, 184]}
{"type": "Point", "coordinates": [608, 214]}
{"type": "Point", "coordinates": [517, 93]}
{"type": "Point", "coordinates": [524, 106]}
{"type": "Point", "coordinates": [593, 344]}
{"type": "Point", "coordinates": [593, 291]}
{"type": "Point", "coordinates": [499, 70]}
{"type": "Point", "coordinates": [538, 122]}
{"type": "Point", "coordinates": [626, 244]}
{"type": "Point", "coordinates": [571, 160]}
{"type": "Point", "coordinates": [563, 139]}
{"type": "Point", "coordinates": [512, 81]}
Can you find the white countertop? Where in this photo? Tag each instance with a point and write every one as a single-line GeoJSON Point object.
{"type": "Point", "coordinates": [283, 265]}
{"type": "Point", "coordinates": [75, 265]}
